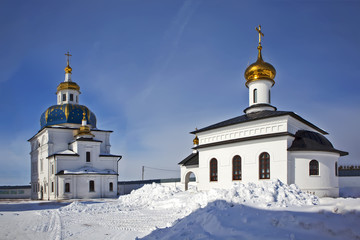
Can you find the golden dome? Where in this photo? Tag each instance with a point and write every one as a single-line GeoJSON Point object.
{"type": "Point", "coordinates": [196, 140]}
{"type": "Point", "coordinates": [84, 128]}
{"type": "Point", "coordinates": [68, 85]}
{"type": "Point", "coordinates": [260, 70]}
{"type": "Point", "coordinates": [68, 69]}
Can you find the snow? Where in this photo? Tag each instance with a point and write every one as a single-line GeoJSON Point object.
{"type": "Point", "coordinates": [89, 170]}
{"type": "Point", "coordinates": [268, 210]}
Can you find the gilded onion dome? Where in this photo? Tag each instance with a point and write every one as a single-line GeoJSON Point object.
{"type": "Point", "coordinates": [196, 140]}
{"type": "Point", "coordinates": [260, 69]}
{"type": "Point", "coordinates": [68, 85]}
{"type": "Point", "coordinates": [68, 69]}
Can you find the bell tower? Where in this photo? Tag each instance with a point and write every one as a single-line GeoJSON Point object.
{"type": "Point", "coordinates": [259, 80]}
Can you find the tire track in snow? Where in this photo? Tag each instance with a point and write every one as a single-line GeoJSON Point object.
{"type": "Point", "coordinates": [51, 223]}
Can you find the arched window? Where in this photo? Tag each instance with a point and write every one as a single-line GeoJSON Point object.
{"type": "Point", "coordinates": [91, 186]}
{"type": "Point", "coordinates": [336, 169]}
{"type": "Point", "coordinates": [313, 168]}
{"type": "Point", "coordinates": [213, 170]}
{"type": "Point", "coordinates": [269, 97]}
{"type": "Point", "coordinates": [255, 95]}
{"type": "Point", "coordinates": [264, 166]}
{"type": "Point", "coordinates": [111, 188]}
{"type": "Point", "coordinates": [237, 167]}
{"type": "Point", "coordinates": [67, 187]}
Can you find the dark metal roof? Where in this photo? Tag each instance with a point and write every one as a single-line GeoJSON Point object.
{"type": "Point", "coordinates": [257, 116]}
{"type": "Point", "coordinates": [349, 173]}
{"type": "Point", "coordinates": [168, 180]}
{"type": "Point", "coordinates": [192, 159]}
{"type": "Point", "coordinates": [64, 154]}
{"type": "Point", "coordinates": [313, 141]}
{"type": "Point", "coordinates": [15, 187]}
{"type": "Point", "coordinates": [109, 155]}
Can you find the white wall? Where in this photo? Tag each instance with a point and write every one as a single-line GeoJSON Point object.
{"type": "Point", "coordinates": [326, 183]}
{"type": "Point", "coordinates": [249, 152]}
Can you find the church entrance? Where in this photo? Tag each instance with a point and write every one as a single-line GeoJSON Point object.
{"type": "Point", "coordinates": [189, 177]}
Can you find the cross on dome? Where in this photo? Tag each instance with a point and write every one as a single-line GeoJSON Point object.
{"type": "Point", "coordinates": [68, 69]}
{"type": "Point", "coordinates": [261, 34]}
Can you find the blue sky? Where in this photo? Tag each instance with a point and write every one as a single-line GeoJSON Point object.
{"type": "Point", "coordinates": [152, 71]}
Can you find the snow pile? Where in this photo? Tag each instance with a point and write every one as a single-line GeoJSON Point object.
{"type": "Point", "coordinates": [148, 195]}
{"type": "Point", "coordinates": [89, 170]}
{"type": "Point", "coordinates": [264, 194]}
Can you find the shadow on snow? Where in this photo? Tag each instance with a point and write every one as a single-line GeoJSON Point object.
{"type": "Point", "coordinates": [223, 220]}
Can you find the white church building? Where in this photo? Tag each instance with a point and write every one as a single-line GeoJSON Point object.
{"type": "Point", "coordinates": [263, 144]}
{"type": "Point", "coordinates": [70, 157]}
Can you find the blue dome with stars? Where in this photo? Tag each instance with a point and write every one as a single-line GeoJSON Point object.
{"type": "Point", "coordinates": [67, 113]}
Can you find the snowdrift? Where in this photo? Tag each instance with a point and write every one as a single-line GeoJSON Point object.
{"type": "Point", "coordinates": [265, 194]}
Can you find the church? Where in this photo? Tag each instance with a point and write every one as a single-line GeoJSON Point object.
{"type": "Point", "coordinates": [70, 157]}
{"type": "Point", "coordinates": [263, 144]}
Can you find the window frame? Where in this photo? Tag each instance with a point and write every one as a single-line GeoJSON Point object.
{"type": "Point", "coordinates": [213, 170]}
{"type": "Point", "coordinates": [314, 168]}
{"type": "Point", "coordinates": [64, 97]}
{"type": "Point", "coordinates": [255, 91]}
{"type": "Point", "coordinates": [91, 186]}
{"type": "Point", "coordinates": [111, 186]}
{"type": "Point", "coordinates": [264, 164]}
{"type": "Point", "coordinates": [71, 98]}
{"type": "Point", "coordinates": [88, 156]}
{"type": "Point", "coordinates": [236, 165]}
{"type": "Point", "coordinates": [67, 188]}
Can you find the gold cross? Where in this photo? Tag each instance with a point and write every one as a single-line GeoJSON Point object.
{"type": "Point", "coordinates": [68, 57]}
{"type": "Point", "coordinates": [260, 34]}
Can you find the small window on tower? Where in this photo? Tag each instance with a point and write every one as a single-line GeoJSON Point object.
{"type": "Point", "coordinates": [64, 97]}
{"type": "Point", "coordinates": [269, 97]}
{"type": "Point", "coordinates": [71, 97]}
{"type": "Point", "coordinates": [111, 187]}
{"type": "Point", "coordinates": [87, 156]}
{"type": "Point", "coordinates": [77, 99]}
{"type": "Point", "coordinates": [91, 186]}
{"type": "Point", "coordinates": [255, 95]}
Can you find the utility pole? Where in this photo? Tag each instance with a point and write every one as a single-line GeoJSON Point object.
{"type": "Point", "coordinates": [142, 175]}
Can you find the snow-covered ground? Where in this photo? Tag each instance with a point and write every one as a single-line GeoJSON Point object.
{"type": "Point", "coordinates": [270, 210]}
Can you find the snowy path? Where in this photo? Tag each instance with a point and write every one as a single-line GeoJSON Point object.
{"type": "Point", "coordinates": [157, 212]}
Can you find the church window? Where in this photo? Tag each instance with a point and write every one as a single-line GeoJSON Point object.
{"type": "Point", "coordinates": [269, 97]}
{"type": "Point", "coordinates": [52, 186]}
{"type": "Point", "coordinates": [87, 156]}
{"type": "Point", "coordinates": [71, 97]}
{"type": "Point", "coordinates": [67, 187]}
{"type": "Point", "coordinates": [264, 166]}
{"type": "Point", "coordinates": [111, 187]}
{"type": "Point", "coordinates": [336, 169]}
{"type": "Point", "coordinates": [237, 167]}
{"type": "Point", "coordinates": [77, 99]}
{"type": "Point", "coordinates": [64, 97]}
{"type": "Point", "coordinates": [91, 186]}
{"type": "Point", "coordinates": [41, 165]}
{"type": "Point", "coordinates": [213, 170]}
{"type": "Point", "coordinates": [255, 96]}
{"type": "Point", "coordinates": [52, 168]}
{"type": "Point", "coordinates": [313, 168]}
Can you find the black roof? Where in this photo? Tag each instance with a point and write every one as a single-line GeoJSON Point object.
{"type": "Point", "coordinates": [192, 159]}
{"type": "Point", "coordinates": [257, 116]}
{"type": "Point", "coordinates": [313, 141]}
